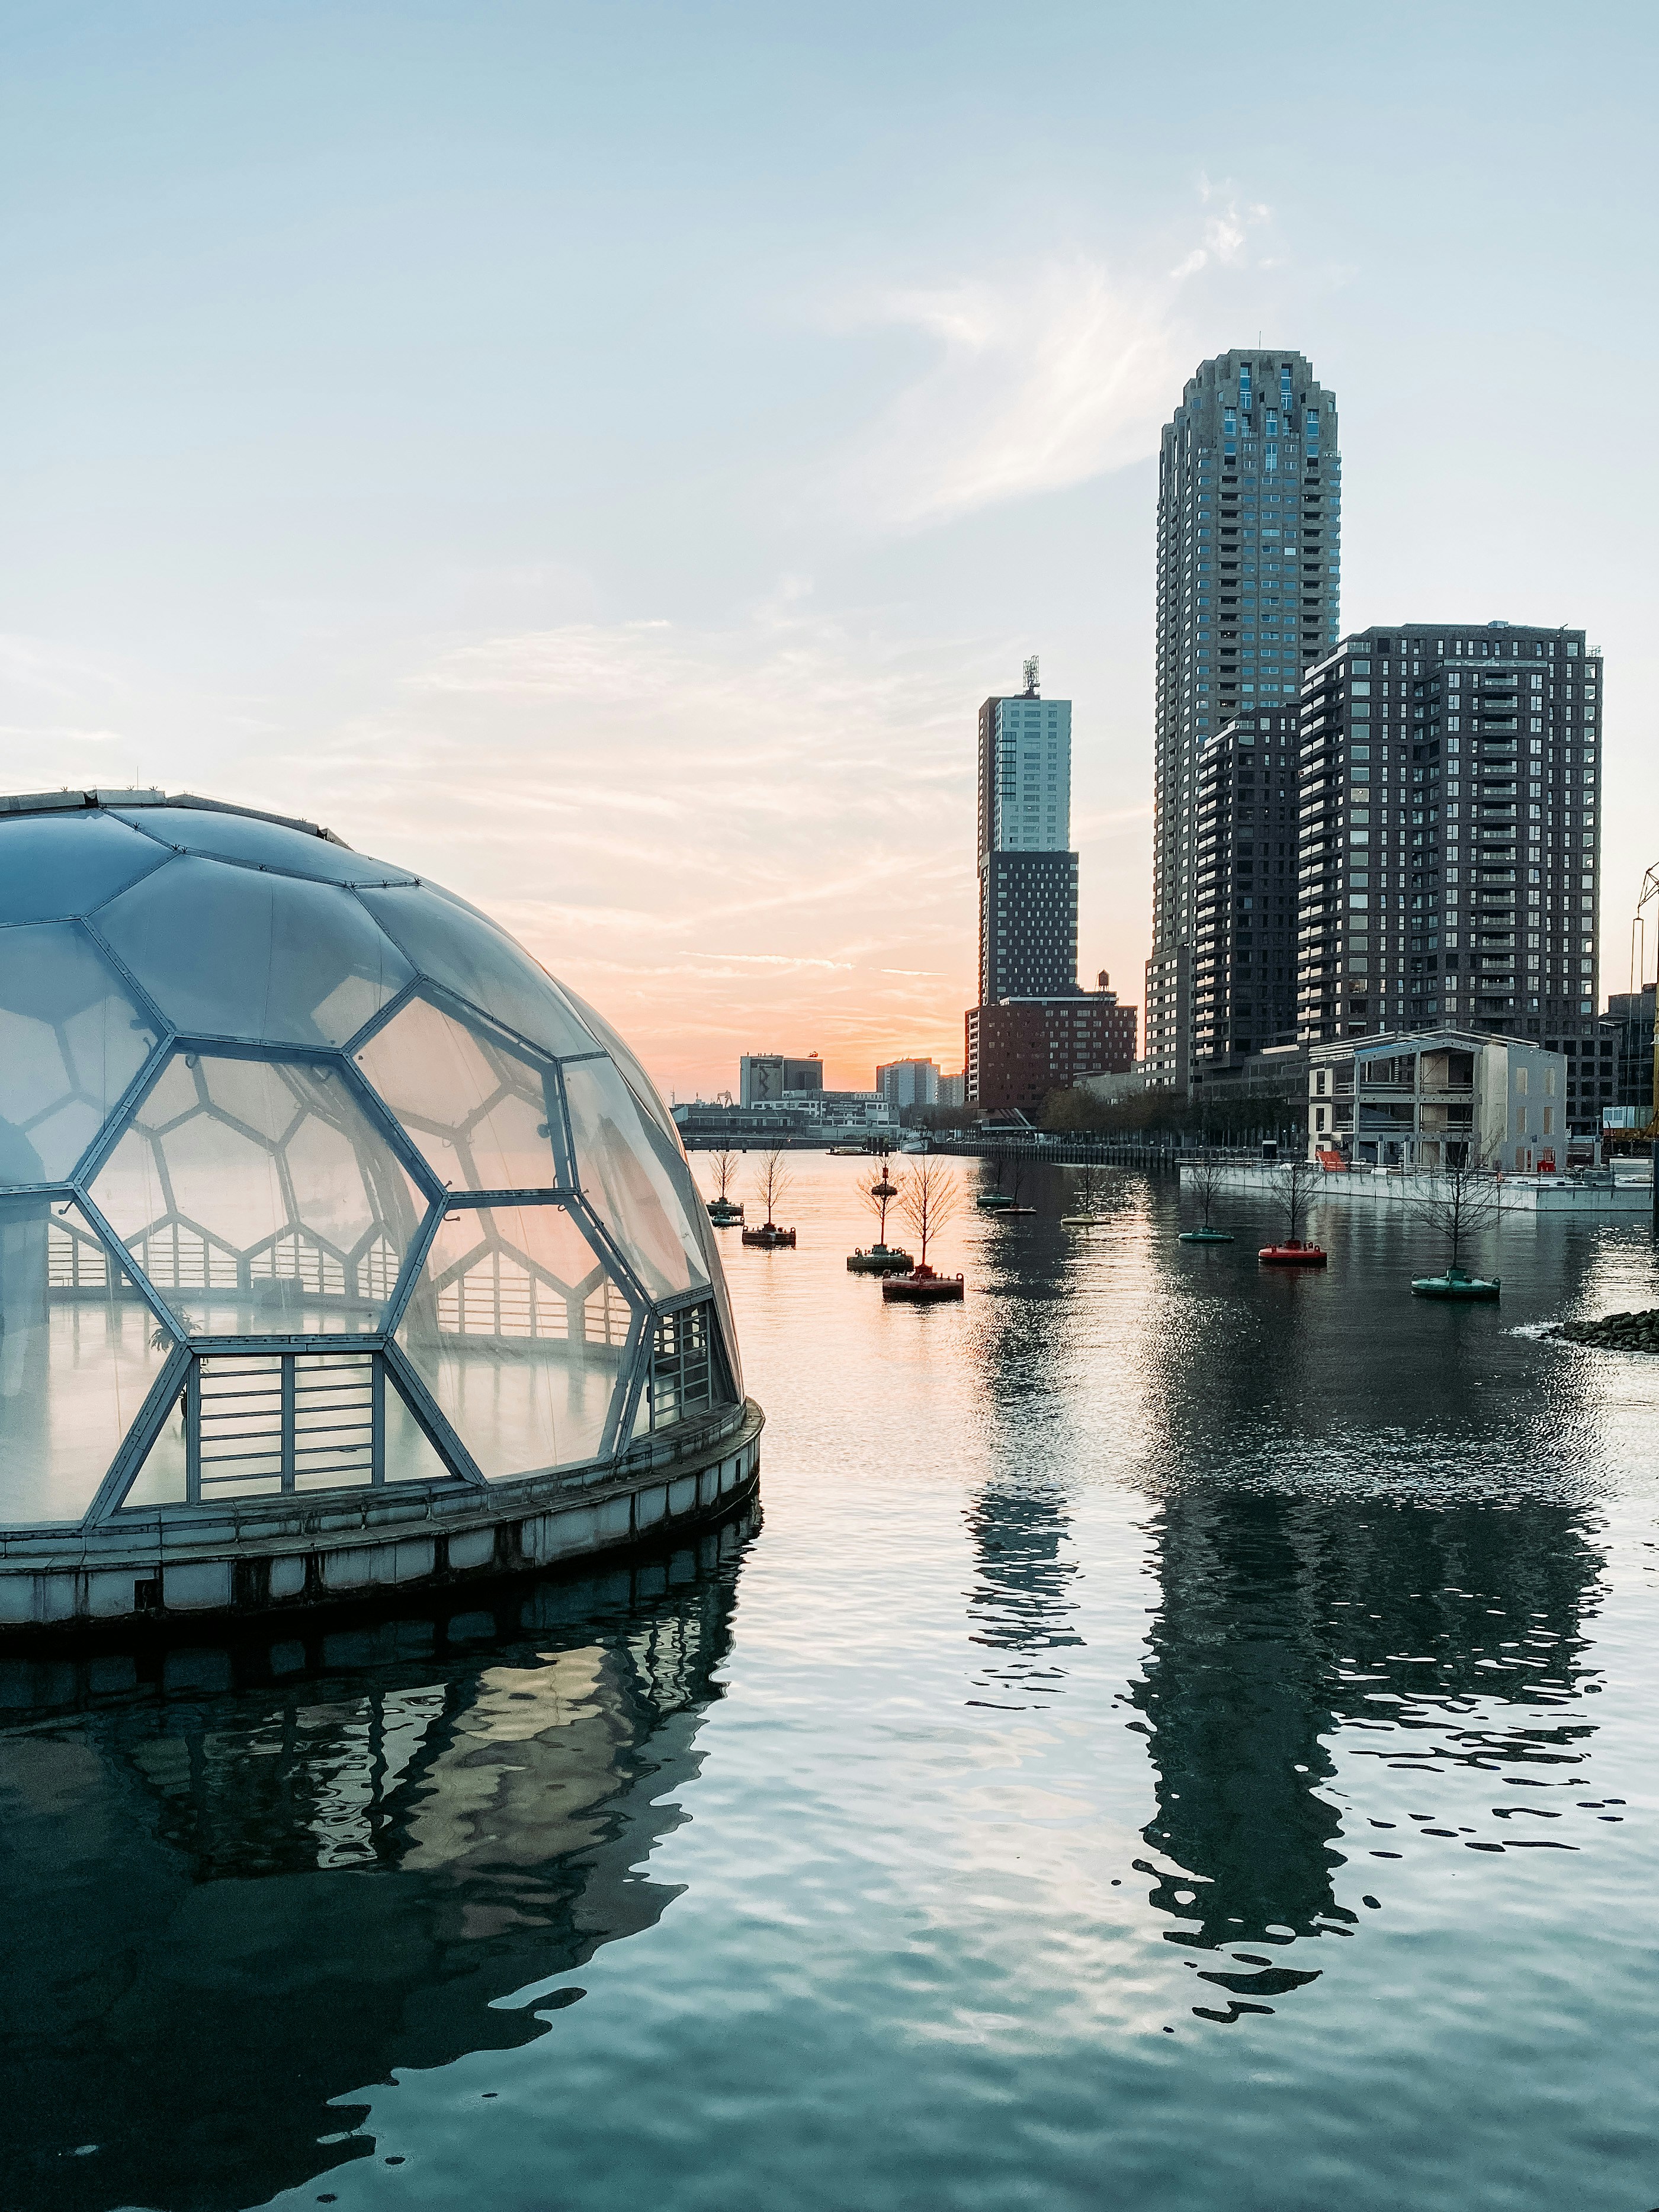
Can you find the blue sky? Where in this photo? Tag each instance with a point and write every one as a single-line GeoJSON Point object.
{"type": "Point", "coordinates": [603, 455]}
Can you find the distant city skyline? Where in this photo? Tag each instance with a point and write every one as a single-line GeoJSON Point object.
{"type": "Point", "coordinates": [609, 489]}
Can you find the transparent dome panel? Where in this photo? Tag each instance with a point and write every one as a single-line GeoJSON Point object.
{"type": "Point", "coordinates": [220, 836]}
{"type": "Point", "coordinates": [628, 1186]}
{"type": "Point", "coordinates": [470, 957]}
{"type": "Point", "coordinates": [478, 1113]}
{"type": "Point", "coordinates": [80, 1353]}
{"type": "Point", "coordinates": [230, 952]}
{"type": "Point", "coordinates": [72, 1041]}
{"type": "Point", "coordinates": [715, 1269]}
{"type": "Point", "coordinates": [521, 1335]}
{"type": "Point", "coordinates": [55, 866]}
{"type": "Point", "coordinates": [258, 1199]}
{"type": "Point", "coordinates": [638, 1081]}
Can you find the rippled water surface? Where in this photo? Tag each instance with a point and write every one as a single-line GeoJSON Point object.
{"type": "Point", "coordinates": [1174, 1737]}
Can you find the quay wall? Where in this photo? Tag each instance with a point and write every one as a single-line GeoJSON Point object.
{"type": "Point", "coordinates": [1528, 1195]}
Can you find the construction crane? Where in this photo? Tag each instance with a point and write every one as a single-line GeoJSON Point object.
{"type": "Point", "coordinates": [1638, 969]}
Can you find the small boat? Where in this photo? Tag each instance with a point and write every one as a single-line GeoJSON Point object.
{"type": "Point", "coordinates": [879, 1259]}
{"type": "Point", "coordinates": [1294, 1252]}
{"type": "Point", "coordinates": [848, 1151]}
{"type": "Point", "coordinates": [922, 1287]}
{"type": "Point", "coordinates": [1082, 1220]}
{"type": "Point", "coordinates": [770, 1238]}
{"type": "Point", "coordinates": [1456, 1283]}
{"type": "Point", "coordinates": [1207, 1237]}
{"type": "Point", "coordinates": [723, 1211]}
{"type": "Point", "coordinates": [914, 1145]}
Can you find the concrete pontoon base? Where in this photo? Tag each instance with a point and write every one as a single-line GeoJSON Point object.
{"type": "Point", "coordinates": [277, 1558]}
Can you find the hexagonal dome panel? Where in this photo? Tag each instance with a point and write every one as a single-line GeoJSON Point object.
{"type": "Point", "coordinates": [521, 1333]}
{"type": "Point", "coordinates": [69, 864]}
{"type": "Point", "coordinates": [71, 1040]}
{"type": "Point", "coordinates": [256, 1196]}
{"type": "Point", "coordinates": [241, 952]}
{"type": "Point", "coordinates": [463, 953]}
{"type": "Point", "coordinates": [80, 1354]}
{"type": "Point", "coordinates": [479, 1113]}
{"type": "Point", "coordinates": [628, 1185]}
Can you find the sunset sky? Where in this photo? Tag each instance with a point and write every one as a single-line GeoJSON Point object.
{"type": "Point", "coordinates": [602, 456]}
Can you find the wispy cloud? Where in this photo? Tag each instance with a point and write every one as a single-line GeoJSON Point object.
{"type": "Point", "coordinates": [1043, 374]}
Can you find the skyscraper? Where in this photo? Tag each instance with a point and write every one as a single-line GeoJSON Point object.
{"type": "Point", "coordinates": [1450, 833]}
{"type": "Point", "coordinates": [1033, 1030]}
{"type": "Point", "coordinates": [1243, 929]}
{"type": "Point", "coordinates": [1248, 587]}
{"type": "Point", "coordinates": [1027, 873]}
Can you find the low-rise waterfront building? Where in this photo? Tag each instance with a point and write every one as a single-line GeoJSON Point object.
{"type": "Point", "coordinates": [818, 1118]}
{"type": "Point", "coordinates": [1441, 1098]}
{"type": "Point", "coordinates": [769, 1075]}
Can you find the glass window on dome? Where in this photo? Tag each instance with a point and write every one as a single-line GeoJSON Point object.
{"type": "Point", "coordinates": [80, 1354]}
{"type": "Point", "coordinates": [524, 1337]}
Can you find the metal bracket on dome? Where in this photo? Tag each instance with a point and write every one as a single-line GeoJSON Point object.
{"type": "Point", "coordinates": [625, 1408]}
{"type": "Point", "coordinates": [610, 1251]}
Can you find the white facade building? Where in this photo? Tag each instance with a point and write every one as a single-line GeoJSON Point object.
{"type": "Point", "coordinates": [909, 1083]}
{"type": "Point", "coordinates": [1440, 1098]}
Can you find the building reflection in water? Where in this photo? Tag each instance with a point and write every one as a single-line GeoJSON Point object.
{"type": "Point", "coordinates": [278, 1874]}
{"type": "Point", "coordinates": [1022, 1603]}
{"type": "Point", "coordinates": [1299, 1594]}
{"type": "Point", "coordinates": [1020, 1608]}
{"type": "Point", "coordinates": [1453, 1636]}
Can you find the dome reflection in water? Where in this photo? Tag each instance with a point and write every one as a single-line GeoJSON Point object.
{"type": "Point", "coordinates": [270, 1876]}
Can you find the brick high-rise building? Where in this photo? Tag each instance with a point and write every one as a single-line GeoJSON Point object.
{"type": "Point", "coordinates": [1248, 578]}
{"type": "Point", "coordinates": [1018, 1051]}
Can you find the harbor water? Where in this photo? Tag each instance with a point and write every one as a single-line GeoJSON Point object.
{"type": "Point", "coordinates": [1174, 1736]}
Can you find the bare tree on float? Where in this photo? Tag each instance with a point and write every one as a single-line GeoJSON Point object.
{"type": "Point", "coordinates": [774, 1184]}
{"type": "Point", "coordinates": [1088, 1189]}
{"type": "Point", "coordinates": [1458, 1202]}
{"type": "Point", "coordinates": [724, 1165]}
{"type": "Point", "coordinates": [927, 1197]}
{"type": "Point", "coordinates": [1295, 1188]}
{"type": "Point", "coordinates": [1205, 1176]}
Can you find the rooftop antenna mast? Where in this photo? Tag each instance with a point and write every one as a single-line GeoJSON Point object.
{"type": "Point", "coordinates": [1031, 677]}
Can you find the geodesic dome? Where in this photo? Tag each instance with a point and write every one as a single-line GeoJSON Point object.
{"type": "Point", "coordinates": [311, 1178]}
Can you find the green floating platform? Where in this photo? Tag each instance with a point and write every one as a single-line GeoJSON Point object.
{"type": "Point", "coordinates": [1206, 1237]}
{"type": "Point", "coordinates": [1456, 1283]}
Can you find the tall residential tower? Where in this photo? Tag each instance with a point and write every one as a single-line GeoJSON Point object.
{"type": "Point", "coordinates": [1027, 871]}
{"type": "Point", "coordinates": [1248, 587]}
{"type": "Point", "coordinates": [1451, 834]}
{"type": "Point", "coordinates": [1033, 1030]}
